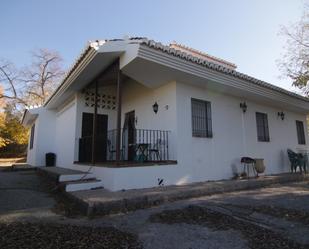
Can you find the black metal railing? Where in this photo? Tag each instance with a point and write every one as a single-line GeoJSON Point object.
{"type": "Point", "coordinates": [139, 145]}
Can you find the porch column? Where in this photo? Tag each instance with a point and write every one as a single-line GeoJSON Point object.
{"type": "Point", "coordinates": [94, 124]}
{"type": "Point", "coordinates": [119, 102]}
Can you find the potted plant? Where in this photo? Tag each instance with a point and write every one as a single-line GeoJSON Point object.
{"type": "Point", "coordinates": [259, 165]}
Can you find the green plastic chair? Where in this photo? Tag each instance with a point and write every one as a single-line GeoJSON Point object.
{"type": "Point", "coordinates": [297, 160]}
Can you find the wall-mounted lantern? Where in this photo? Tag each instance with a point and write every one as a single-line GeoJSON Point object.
{"type": "Point", "coordinates": [281, 115]}
{"type": "Point", "coordinates": [155, 107]}
{"type": "Point", "coordinates": [243, 106]}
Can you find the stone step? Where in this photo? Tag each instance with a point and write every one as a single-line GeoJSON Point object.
{"type": "Point", "coordinates": [85, 184]}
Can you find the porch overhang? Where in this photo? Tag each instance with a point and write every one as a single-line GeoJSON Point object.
{"type": "Point", "coordinates": [87, 73]}
{"type": "Point", "coordinates": [94, 60]}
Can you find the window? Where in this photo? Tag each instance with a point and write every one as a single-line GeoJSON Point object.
{"type": "Point", "coordinates": [262, 127]}
{"type": "Point", "coordinates": [300, 132]}
{"type": "Point", "coordinates": [32, 136]}
{"type": "Point", "coordinates": [201, 118]}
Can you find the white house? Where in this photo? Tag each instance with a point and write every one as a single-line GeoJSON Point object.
{"type": "Point", "coordinates": [163, 115]}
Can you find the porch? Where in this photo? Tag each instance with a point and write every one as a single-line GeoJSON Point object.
{"type": "Point", "coordinates": [113, 127]}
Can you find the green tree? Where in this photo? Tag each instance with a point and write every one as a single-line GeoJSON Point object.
{"type": "Point", "coordinates": [3, 141]}
{"type": "Point", "coordinates": [11, 131]}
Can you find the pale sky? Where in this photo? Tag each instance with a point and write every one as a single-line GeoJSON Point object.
{"type": "Point", "coordinates": [241, 31]}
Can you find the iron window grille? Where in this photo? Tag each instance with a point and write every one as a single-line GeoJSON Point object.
{"type": "Point", "coordinates": [201, 118]}
{"type": "Point", "coordinates": [300, 132]}
{"type": "Point", "coordinates": [262, 127]}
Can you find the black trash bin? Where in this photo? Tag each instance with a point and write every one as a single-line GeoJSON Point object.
{"type": "Point", "coordinates": [50, 159]}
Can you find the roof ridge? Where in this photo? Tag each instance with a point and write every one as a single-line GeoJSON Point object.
{"type": "Point", "coordinates": [204, 54]}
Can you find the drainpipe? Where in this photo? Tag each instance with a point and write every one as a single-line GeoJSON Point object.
{"type": "Point", "coordinates": [243, 133]}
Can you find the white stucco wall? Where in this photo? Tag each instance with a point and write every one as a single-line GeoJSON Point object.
{"type": "Point", "coordinates": [140, 99]}
{"type": "Point", "coordinates": [43, 138]}
{"type": "Point", "coordinates": [31, 153]}
{"type": "Point", "coordinates": [214, 158]}
{"type": "Point", "coordinates": [65, 135]}
{"type": "Point", "coordinates": [202, 159]}
{"type": "Point", "coordinates": [199, 159]}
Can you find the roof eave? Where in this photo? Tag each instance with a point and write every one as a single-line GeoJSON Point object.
{"type": "Point", "coordinates": [189, 58]}
{"type": "Point", "coordinates": [221, 75]}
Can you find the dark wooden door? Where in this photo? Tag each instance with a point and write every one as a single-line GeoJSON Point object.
{"type": "Point", "coordinates": [85, 143]}
{"type": "Point", "coordinates": [101, 142]}
{"type": "Point", "coordinates": [130, 127]}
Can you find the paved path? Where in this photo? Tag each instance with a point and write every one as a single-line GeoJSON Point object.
{"type": "Point", "coordinates": [24, 193]}
{"type": "Point", "coordinates": [24, 197]}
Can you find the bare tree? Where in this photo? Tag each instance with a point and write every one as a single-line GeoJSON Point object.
{"type": "Point", "coordinates": [43, 76]}
{"type": "Point", "coordinates": [12, 88]}
{"type": "Point", "coordinates": [295, 61]}
{"type": "Point", "coordinates": [33, 84]}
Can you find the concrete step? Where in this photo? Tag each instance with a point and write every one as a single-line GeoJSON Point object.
{"type": "Point", "coordinates": [75, 177]}
{"type": "Point", "coordinates": [70, 180]}
{"type": "Point", "coordinates": [59, 174]}
{"type": "Point", "coordinates": [85, 184]}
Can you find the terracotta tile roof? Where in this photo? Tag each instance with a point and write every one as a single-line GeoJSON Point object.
{"type": "Point", "coordinates": [202, 55]}
{"type": "Point", "coordinates": [209, 62]}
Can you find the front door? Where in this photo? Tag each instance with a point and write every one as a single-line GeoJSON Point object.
{"type": "Point", "coordinates": [85, 143]}
{"type": "Point", "coordinates": [129, 127]}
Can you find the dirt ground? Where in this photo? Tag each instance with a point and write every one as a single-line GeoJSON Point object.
{"type": "Point", "coordinates": [272, 217]}
{"type": "Point", "coordinates": [6, 162]}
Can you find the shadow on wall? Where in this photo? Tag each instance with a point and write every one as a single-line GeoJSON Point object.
{"type": "Point", "coordinates": [284, 161]}
{"type": "Point", "coordinates": [236, 167]}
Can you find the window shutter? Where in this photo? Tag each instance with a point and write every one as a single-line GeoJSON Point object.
{"type": "Point", "coordinates": [32, 136]}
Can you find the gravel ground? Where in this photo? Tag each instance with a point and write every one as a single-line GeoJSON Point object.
{"type": "Point", "coordinates": [37, 236]}
{"type": "Point", "coordinates": [34, 216]}
{"type": "Point", "coordinates": [258, 237]}
{"type": "Point", "coordinates": [300, 216]}
{"type": "Point", "coordinates": [185, 236]}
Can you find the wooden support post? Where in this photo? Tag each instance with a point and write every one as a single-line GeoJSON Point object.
{"type": "Point", "coordinates": [118, 134]}
{"type": "Point", "coordinates": [94, 125]}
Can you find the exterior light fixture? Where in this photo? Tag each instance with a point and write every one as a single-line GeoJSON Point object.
{"type": "Point", "coordinates": [155, 107]}
{"type": "Point", "coordinates": [281, 115]}
{"type": "Point", "coordinates": [243, 106]}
